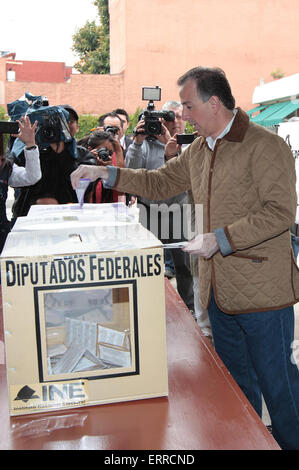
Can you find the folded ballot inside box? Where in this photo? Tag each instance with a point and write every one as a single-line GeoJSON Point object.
{"type": "Point", "coordinates": [79, 300]}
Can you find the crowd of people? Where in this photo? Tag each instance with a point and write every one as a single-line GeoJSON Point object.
{"type": "Point", "coordinates": [107, 144]}
{"type": "Point", "coordinates": [243, 280]}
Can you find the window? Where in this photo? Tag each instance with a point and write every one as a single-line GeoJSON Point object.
{"type": "Point", "coordinates": [87, 331]}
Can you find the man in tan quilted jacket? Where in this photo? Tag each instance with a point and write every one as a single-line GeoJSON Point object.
{"type": "Point", "coordinates": [244, 177]}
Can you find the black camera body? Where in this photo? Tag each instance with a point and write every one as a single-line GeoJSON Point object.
{"type": "Point", "coordinates": [185, 138]}
{"type": "Point", "coordinates": [152, 123]}
{"type": "Point", "coordinates": [103, 154]}
{"type": "Point", "coordinates": [52, 124]}
{"type": "Point", "coordinates": [112, 130]}
{"type": "Point", "coordinates": [9, 127]}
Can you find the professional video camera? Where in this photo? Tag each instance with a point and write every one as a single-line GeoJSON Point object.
{"type": "Point", "coordinates": [52, 120]}
{"type": "Point", "coordinates": [152, 123]}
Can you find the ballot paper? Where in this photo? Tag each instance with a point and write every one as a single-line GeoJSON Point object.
{"type": "Point", "coordinates": [115, 356]}
{"type": "Point", "coordinates": [70, 361]}
{"type": "Point", "coordinates": [175, 245]}
{"type": "Point", "coordinates": [80, 191]}
{"type": "Point", "coordinates": [81, 332]}
{"type": "Point", "coordinates": [110, 336]}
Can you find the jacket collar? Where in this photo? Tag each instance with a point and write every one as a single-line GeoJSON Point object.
{"type": "Point", "coordinates": [239, 127]}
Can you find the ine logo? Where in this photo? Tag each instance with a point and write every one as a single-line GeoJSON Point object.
{"type": "Point", "coordinates": [49, 395]}
{"type": "Point", "coordinates": [25, 394]}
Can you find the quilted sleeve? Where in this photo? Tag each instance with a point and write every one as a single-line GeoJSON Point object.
{"type": "Point", "coordinates": [171, 179]}
{"type": "Point", "coordinates": [273, 174]}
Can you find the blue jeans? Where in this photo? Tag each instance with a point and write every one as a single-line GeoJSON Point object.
{"type": "Point", "coordinates": [256, 349]}
{"type": "Point", "coordinates": [168, 261]}
{"type": "Point", "coordinates": [295, 244]}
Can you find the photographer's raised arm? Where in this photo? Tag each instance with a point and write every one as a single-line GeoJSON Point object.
{"type": "Point", "coordinates": [26, 131]}
{"type": "Point", "coordinates": [29, 175]}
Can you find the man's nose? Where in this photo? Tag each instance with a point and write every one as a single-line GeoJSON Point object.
{"type": "Point", "coordinates": [185, 115]}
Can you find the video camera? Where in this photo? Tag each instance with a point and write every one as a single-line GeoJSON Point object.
{"type": "Point", "coordinates": [52, 120]}
{"type": "Point", "coordinates": [52, 124]}
{"type": "Point", "coordinates": [152, 123]}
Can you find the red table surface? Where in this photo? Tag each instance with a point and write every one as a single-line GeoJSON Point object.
{"type": "Point", "coordinates": [205, 409]}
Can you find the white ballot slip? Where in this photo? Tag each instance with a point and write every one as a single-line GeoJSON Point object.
{"type": "Point", "coordinates": [80, 191]}
{"type": "Point", "coordinates": [175, 245]}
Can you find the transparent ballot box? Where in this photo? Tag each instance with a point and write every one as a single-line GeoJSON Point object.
{"type": "Point", "coordinates": [86, 332]}
{"type": "Point", "coordinates": [83, 310]}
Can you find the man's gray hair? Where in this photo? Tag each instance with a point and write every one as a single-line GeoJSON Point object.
{"type": "Point", "coordinates": [171, 105]}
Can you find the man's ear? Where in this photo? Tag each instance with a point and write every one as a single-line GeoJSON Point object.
{"type": "Point", "coordinates": [215, 103]}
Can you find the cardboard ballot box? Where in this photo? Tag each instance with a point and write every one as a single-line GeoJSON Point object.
{"type": "Point", "coordinates": [84, 310]}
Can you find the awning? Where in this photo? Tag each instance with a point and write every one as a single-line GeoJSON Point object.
{"type": "Point", "coordinates": [276, 90]}
{"type": "Point", "coordinates": [275, 113]}
{"type": "Point", "coordinates": [257, 108]}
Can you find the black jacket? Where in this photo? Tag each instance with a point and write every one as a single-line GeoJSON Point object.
{"type": "Point", "coordinates": [5, 172]}
{"type": "Point", "coordinates": [55, 181]}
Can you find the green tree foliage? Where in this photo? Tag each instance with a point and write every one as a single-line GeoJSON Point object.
{"type": "Point", "coordinates": [3, 137]}
{"type": "Point", "coordinates": [133, 121]}
{"type": "Point", "coordinates": [87, 122]}
{"type": "Point", "coordinates": [3, 115]}
{"type": "Point", "coordinates": [189, 128]}
{"type": "Point", "coordinates": [91, 43]}
{"type": "Point", "coordinates": [277, 73]}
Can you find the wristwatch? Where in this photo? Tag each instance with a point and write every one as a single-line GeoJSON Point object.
{"type": "Point", "coordinates": [32, 147]}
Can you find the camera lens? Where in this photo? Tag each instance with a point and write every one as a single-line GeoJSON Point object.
{"type": "Point", "coordinates": [49, 130]}
{"type": "Point", "coordinates": [49, 134]}
{"type": "Point", "coordinates": [111, 129]}
{"type": "Point", "coordinates": [104, 154]}
{"type": "Point", "coordinates": [153, 127]}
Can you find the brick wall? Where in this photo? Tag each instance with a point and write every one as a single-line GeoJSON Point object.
{"type": "Point", "coordinates": [88, 94]}
{"type": "Point", "coordinates": [26, 70]}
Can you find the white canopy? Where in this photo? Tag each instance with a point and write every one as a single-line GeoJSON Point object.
{"type": "Point", "coordinates": [284, 88]}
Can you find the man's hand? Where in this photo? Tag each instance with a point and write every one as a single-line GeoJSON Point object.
{"type": "Point", "coordinates": [164, 136]}
{"type": "Point", "coordinates": [92, 172]}
{"type": "Point", "coordinates": [139, 132]}
{"type": "Point", "coordinates": [172, 148]}
{"type": "Point", "coordinates": [203, 245]}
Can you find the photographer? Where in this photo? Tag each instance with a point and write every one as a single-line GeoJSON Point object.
{"type": "Point", "coordinates": [107, 151]}
{"type": "Point", "coordinates": [58, 158]}
{"type": "Point", "coordinates": [149, 152]}
{"type": "Point", "coordinates": [125, 140]}
{"type": "Point", "coordinates": [83, 154]}
{"type": "Point", "coordinates": [15, 176]}
{"type": "Point", "coordinates": [111, 122]}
